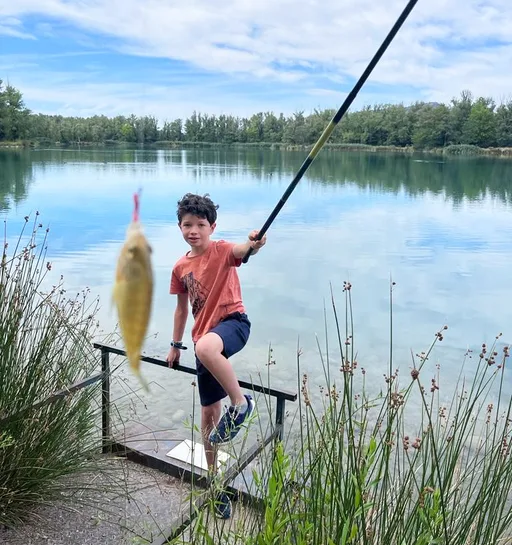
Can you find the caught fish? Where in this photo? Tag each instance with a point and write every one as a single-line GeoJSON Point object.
{"type": "Point", "coordinates": [133, 291]}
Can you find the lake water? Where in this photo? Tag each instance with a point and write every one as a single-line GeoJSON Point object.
{"type": "Point", "coordinates": [441, 228]}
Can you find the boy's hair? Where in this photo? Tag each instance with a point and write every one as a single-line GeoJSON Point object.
{"type": "Point", "coordinates": [202, 207]}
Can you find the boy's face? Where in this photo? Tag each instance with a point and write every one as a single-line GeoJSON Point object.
{"type": "Point", "coordinates": [196, 231]}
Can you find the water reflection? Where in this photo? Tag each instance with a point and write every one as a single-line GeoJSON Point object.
{"type": "Point", "coordinates": [440, 229]}
{"type": "Point", "coordinates": [456, 178]}
{"type": "Point", "coordinates": [15, 177]}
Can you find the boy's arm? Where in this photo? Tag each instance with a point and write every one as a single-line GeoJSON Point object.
{"type": "Point", "coordinates": [180, 317]}
{"type": "Point", "coordinates": [239, 250]}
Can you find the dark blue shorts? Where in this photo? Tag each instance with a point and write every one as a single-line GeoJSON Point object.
{"type": "Point", "coordinates": [234, 331]}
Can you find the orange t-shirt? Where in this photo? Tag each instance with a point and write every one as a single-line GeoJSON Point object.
{"type": "Point", "coordinates": [212, 283]}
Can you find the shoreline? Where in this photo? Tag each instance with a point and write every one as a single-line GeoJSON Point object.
{"type": "Point", "coordinates": [451, 150]}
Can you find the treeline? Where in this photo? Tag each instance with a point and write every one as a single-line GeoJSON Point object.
{"type": "Point", "coordinates": [466, 120]}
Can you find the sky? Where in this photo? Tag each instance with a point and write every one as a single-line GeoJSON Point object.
{"type": "Point", "coordinates": [168, 58]}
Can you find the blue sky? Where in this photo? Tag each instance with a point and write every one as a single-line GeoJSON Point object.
{"type": "Point", "coordinates": [168, 57]}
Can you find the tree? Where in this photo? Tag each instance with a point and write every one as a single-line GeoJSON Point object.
{"type": "Point", "coordinates": [255, 128]}
{"type": "Point", "coordinates": [431, 127]}
{"type": "Point", "coordinates": [273, 128]}
{"type": "Point", "coordinates": [480, 128]}
{"type": "Point", "coordinates": [504, 124]}
{"type": "Point", "coordinates": [399, 126]}
{"type": "Point", "coordinates": [128, 132]}
{"type": "Point", "coordinates": [14, 116]}
{"type": "Point", "coordinates": [296, 130]}
{"type": "Point", "coordinates": [459, 116]}
{"type": "Point", "coordinates": [374, 129]}
{"type": "Point", "coordinates": [193, 128]}
{"type": "Point", "coordinates": [172, 131]}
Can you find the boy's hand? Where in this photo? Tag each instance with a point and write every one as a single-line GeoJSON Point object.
{"type": "Point", "coordinates": [257, 244]}
{"type": "Point", "coordinates": [173, 357]}
{"type": "Point", "coordinates": [239, 250]}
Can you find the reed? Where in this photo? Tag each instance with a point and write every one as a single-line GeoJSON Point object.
{"type": "Point", "coordinates": [45, 346]}
{"type": "Point", "coordinates": [403, 467]}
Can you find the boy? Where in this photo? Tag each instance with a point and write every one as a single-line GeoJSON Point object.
{"type": "Point", "coordinates": [206, 275]}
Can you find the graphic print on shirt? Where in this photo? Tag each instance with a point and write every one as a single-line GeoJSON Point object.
{"type": "Point", "coordinates": [197, 293]}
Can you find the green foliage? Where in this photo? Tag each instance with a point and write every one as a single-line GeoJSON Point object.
{"type": "Point", "coordinates": [45, 346]}
{"type": "Point", "coordinates": [423, 125]}
{"type": "Point", "coordinates": [480, 128]}
{"type": "Point", "coordinates": [504, 124]}
{"type": "Point", "coordinates": [14, 116]}
{"type": "Point", "coordinates": [460, 111]}
{"type": "Point", "coordinates": [432, 127]}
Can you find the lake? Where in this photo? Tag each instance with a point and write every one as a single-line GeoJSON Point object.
{"type": "Point", "coordinates": [441, 228]}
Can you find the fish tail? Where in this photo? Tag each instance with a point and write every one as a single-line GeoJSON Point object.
{"type": "Point", "coordinates": [142, 380]}
{"type": "Point", "coordinates": [134, 361]}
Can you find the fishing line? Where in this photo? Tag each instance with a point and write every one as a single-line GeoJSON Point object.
{"type": "Point", "coordinates": [334, 121]}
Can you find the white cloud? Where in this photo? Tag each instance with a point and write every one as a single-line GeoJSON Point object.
{"type": "Point", "coordinates": [309, 46]}
{"type": "Point", "coordinates": [9, 26]}
{"type": "Point", "coordinates": [73, 94]}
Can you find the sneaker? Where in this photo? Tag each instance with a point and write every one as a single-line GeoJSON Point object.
{"type": "Point", "coordinates": [231, 422]}
{"type": "Point", "coordinates": [222, 506]}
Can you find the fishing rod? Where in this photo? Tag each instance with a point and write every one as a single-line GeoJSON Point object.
{"type": "Point", "coordinates": [334, 121]}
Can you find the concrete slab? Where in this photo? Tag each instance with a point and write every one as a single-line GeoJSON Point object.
{"type": "Point", "coordinates": [126, 505]}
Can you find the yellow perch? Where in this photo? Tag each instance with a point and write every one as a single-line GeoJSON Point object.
{"type": "Point", "coordinates": [133, 291]}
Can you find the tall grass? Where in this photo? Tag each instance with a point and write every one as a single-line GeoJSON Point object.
{"type": "Point", "coordinates": [45, 346]}
{"type": "Point", "coordinates": [373, 470]}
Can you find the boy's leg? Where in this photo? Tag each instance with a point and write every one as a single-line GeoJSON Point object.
{"type": "Point", "coordinates": [233, 335]}
{"type": "Point", "coordinates": [209, 350]}
{"type": "Point", "coordinates": [224, 340]}
{"type": "Point", "coordinates": [210, 415]}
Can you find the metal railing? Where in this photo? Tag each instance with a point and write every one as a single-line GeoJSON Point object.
{"type": "Point", "coordinates": [282, 396]}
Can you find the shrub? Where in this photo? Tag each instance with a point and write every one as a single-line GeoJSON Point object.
{"type": "Point", "coordinates": [45, 346]}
